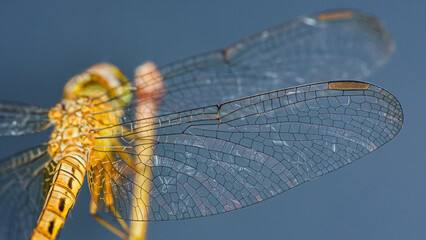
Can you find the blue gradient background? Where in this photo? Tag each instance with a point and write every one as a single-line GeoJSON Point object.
{"type": "Point", "coordinates": [383, 196]}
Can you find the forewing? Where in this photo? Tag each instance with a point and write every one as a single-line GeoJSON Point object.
{"type": "Point", "coordinates": [20, 118]}
{"type": "Point", "coordinates": [332, 45]}
{"type": "Point", "coordinates": [25, 179]}
{"type": "Point", "coordinates": [224, 157]}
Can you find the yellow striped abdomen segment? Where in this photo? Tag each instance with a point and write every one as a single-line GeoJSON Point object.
{"type": "Point", "coordinates": [67, 181]}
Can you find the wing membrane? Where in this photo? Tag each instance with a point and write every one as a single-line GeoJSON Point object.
{"type": "Point", "coordinates": [320, 47]}
{"type": "Point", "coordinates": [220, 158]}
{"type": "Point", "coordinates": [19, 119]}
{"type": "Point", "coordinates": [25, 179]}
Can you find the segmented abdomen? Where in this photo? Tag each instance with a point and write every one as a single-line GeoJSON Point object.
{"type": "Point", "coordinates": [67, 181]}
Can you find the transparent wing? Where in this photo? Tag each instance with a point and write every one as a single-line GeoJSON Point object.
{"type": "Point", "coordinates": [332, 45]}
{"type": "Point", "coordinates": [224, 157]}
{"type": "Point", "coordinates": [25, 179]}
{"type": "Point", "coordinates": [20, 118]}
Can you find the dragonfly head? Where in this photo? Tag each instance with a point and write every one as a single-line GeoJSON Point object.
{"type": "Point", "coordinates": [102, 80]}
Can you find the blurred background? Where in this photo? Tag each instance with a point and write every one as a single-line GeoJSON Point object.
{"type": "Point", "coordinates": [382, 196]}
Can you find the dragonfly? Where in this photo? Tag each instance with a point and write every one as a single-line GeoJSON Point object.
{"type": "Point", "coordinates": [202, 136]}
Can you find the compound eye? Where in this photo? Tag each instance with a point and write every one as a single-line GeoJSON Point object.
{"type": "Point", "coordinates": [100, 80]}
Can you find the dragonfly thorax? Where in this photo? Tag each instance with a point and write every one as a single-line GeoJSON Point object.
{"type": "Point", "coordinates": [74, 124]}
{"type": "Point", "coordinates": [90, 100]}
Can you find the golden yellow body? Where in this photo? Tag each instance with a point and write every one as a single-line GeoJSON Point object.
{"type": "Point", "coordinates": [98, 90]}
{"type": "Point", "coordinates": [67, 144]}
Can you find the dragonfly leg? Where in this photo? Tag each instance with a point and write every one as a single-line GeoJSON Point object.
{"type": "Point", "coordinates": [103, 222]}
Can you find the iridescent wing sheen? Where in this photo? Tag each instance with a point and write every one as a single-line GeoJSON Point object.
{"type": "Point", "coordinates": [25, 179]}
{"type": "Point", "coordinates": [224, 157]}
{"type": "Point", "coordinates": [328, 46]}
{"type": "Point", "coordinates": [20, 118]}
